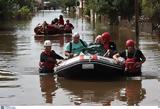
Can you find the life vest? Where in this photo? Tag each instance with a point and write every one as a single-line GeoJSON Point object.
{"type": "Point", "coordinates": [61, 21]}
{"type": "Point", "coordinates": [67, 27]}
{"type": "Point", "coordinates": [47, 64]}
{"type": "Point", "coordinates": [130, 63]}
{"type": "Point", "coordinates": [106, 46]}
{"type": "Point", "coordinates": [110, 49]}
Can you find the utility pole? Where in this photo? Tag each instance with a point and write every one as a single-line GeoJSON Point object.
{"type": "Point", "coordinates": [82, 7]}
{"type": "Point", "coordinates": [2, 107]}
{"type": "Point", "coordinates": [136, 20]}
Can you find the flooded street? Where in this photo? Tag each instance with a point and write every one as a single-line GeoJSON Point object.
{"type": "Point", "coordinates": [21, 84]}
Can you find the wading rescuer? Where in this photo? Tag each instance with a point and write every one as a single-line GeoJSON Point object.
{"type": "Point", "coordinates": [48, 58]}
{"type": "Point", "coordinates": [134, 58]}
{"type": "Point", "coordinates": [68, 27]}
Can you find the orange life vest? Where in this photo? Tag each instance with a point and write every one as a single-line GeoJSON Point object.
{"type": "Point", "coordinates": [130, 65]}
{"type": "Point", "coordinates": [47, 64]}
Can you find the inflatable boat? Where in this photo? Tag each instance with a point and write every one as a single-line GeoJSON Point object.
{"type": "Point", "coordinates": [88, 66]}
{"type": "Point", "coordinates": [91, 63]}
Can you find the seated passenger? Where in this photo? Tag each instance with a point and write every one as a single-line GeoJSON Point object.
{"type": "Point", "coordinates": [109, 46]}
{"type": "Point", "coordinates": [98, 39]}
{"type": "Point", "coordinates": [75, 47]}
{"type": "Point", "coordinates": [96, 47]}
{"type": "Point", "coordinates": [39, 29]}
{"type": "Point", "coordinates": [61, 20]}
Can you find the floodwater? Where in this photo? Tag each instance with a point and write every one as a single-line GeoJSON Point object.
{"type": "Point", "coordinates": [20, 83]}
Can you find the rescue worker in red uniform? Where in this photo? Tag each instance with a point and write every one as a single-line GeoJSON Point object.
{"type": "Point", "coordinates": [68, 27]}
{"type": "Point", "coordinates": [134, 58]}
{"type": "Point", "coordinates": [61, 20]}
{"type": "Point", "coordinates": [48, 58]}
{"type": "Point", "coordinates": [108, 45]}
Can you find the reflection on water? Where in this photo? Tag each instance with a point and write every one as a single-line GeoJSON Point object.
{"type": "Point", "coordinates": [19, 52]}
{"type": "Point", "coordinates": [60, 39]}
{"type": "Point", "coordinates": [104, 93]}
{"type": "Point", "coordinates": [132, 93]}
{"type": "Point", "coordinates": [151, 49]}
{"type": "Point", "coordinates": [48, 87]}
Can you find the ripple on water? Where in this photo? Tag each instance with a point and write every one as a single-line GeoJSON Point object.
{"type": "Point", "coordinates": [8, 83]}
{"type": "Point", "coordinates": [7, 77]}
{"type": "Point", "coordinates": [150, 48]}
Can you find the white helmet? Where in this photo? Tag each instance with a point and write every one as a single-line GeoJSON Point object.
{"type": "Point", "coordinates": [76, 35]}
{"type": "Point", "coordinates": [47, 43]}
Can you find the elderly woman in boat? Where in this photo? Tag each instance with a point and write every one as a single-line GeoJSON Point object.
{"type": "Point", "coordinates": [102, 46]}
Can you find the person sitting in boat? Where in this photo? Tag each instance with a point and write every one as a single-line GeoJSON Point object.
{"type": "Point", "coordinates": [134, 57]}
{"type": "Point", "coordinates": [48, 58]}
{"type": "Point", "coordinates": [108, 44]}
{"type": "Point", "coordinates": [55, 23]}
{"type": "Point", "coordinates": [41, 28]}
{"type": "Point", "coordinates": [98, 39]}
{"type": "Point", "coordinates": [54, 27]}
{"type": "Point", "coordinates": [75, 47]}
{"type": "Point", "coordinates": [61, 20]}
{"type": "Point", "coordinates": [96, 47]}
{"type": "Point", "coordinates": [68, 27]}
{"type": "Point", "coordinates": [38, 29]}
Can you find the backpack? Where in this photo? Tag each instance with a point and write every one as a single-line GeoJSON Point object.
{"type": "Point", "coordinates": [81, 43]}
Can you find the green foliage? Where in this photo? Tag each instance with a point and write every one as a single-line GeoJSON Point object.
{"type": "Point", "coordinates": [68, 3]}
{"type": "Point", "coordinates": [147, 8]}
{"type": "Point", "coordinates": [24, 12]}
{"type": "Point", "coordinates": [54, 3]}
{"type": "Point", "coordinates": [151, 8]}
{"type": "Point", "coordinates": [10, 8]}
{"type": "Point", "coordinates": [7, 8]}
{"type": "Point", "coordinates": [156, 11]}
{"type": "Point", "coordinates": [112, 8]}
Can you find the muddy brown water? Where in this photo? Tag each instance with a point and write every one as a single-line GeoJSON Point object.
{"type": "Point", "coordinates": [20, 83]}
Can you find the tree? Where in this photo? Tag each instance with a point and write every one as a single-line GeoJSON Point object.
{"type": "Point", "coordinates": [55, 3]}
{"type": "Point", "coordinates": [68, 3]}
{"type": "Point", "coordinates": [7, 8]}
{"type": "Point", "coordinates": [112, 8]}
{"type": "Point", "coordinates": [151, 8]}
{"type": "Point", "coordinates": [10, 8]}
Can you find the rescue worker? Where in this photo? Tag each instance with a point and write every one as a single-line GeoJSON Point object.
{"type": "Point", "coordinates": [109, 46]}
{"type": "Point", "coordinates": [134, 58]}
{"type": "Point", "coordinates": [48, 58]}
{"type": "Point", "coordinates": [68, 27]}
{"type": "Point", "coordinates": [61, 20]}
{"type": "Point", "coordinates": [75, 47]}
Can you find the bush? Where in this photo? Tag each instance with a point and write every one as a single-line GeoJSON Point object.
{"type": "Point", "coordinates": [24, 13]}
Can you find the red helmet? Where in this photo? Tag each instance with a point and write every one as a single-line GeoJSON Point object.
{"type": "Point", "coordinates": [106, 36]}
{"type": "Point", "coordinates": [130, 43]}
